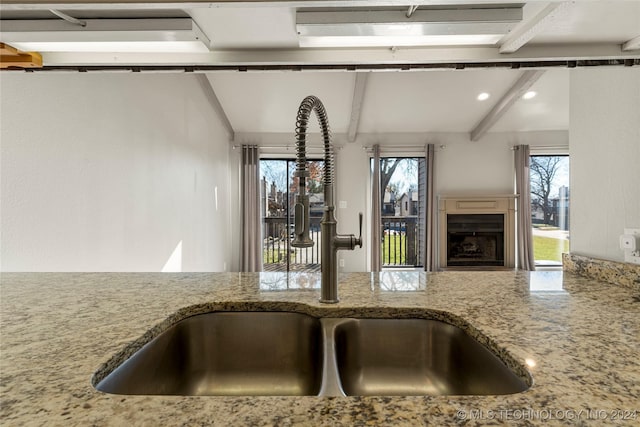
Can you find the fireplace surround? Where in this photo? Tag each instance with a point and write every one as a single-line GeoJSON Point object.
{"type": "Point", "coordinates": [476, 232]}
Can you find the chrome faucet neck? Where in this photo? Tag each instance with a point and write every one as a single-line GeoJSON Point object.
{"type": "Point", "coordinates": [331, 241]}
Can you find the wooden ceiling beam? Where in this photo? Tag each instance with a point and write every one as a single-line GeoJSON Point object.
{"type": "Point", "coordinates": [5, 49]}
{"type": "Point", "coordinates": [633, 44]}
{"type": "Point", "coordinates": [356, 106]}
{"type": "Point", "coordinates": [10, 57]}
{"type": "Point", "coordinates": [207, 88]}
{"type": "Point", "coordinates": [522, 34]}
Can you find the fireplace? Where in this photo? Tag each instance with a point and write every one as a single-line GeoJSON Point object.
{"type": "Point", "coordinates": [477, 232]}
{"type": "Point", "coordinates": [475, 240]}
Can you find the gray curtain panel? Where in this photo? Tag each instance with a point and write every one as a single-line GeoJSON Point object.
{"type": "Point", "coordinates": [523, 219]}
{"type": "Point", "coordinates": [431, 238]}
{"type": "Point", "coordinates": [251, 228]}
{"type": "Point", "coordinates": [376, 207]}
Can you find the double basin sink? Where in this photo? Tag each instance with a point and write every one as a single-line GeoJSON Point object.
{"type": "Point", "coordinates": [294, 354]}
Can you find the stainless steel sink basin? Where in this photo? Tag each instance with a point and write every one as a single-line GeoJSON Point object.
{"type": "Point", "coordinates": [227, 353]}
{"type": "Point", "coordinates": [389, 357]}
{"type": "Point", "coordinates": [282, 353]}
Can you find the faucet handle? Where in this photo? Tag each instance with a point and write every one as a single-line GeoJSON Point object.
{"type": "Point", "coordinates": [359, 239]}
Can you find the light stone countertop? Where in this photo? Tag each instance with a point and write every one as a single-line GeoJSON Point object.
{"type": "Point", "coordinates": [579, 338]}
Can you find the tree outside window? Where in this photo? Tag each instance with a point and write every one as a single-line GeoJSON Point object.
{"type": "Point", "coordinates": [549, 181]}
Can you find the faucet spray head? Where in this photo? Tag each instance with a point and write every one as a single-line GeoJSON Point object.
{"type": "Point", "coordinates": [301, 212]}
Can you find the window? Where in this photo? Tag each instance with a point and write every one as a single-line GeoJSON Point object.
{"type": "Point", "coordinates": [403, 209]}
{"type": "Point", "coordinates": [549, 180]}
{"type": "Point", "coordinates": [278, 189]}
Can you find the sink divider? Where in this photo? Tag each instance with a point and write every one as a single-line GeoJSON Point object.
{"type": "Point", "coordinates": [331, 385]}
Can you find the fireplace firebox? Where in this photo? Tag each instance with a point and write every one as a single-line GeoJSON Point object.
{"type": "Point", "coordinates": [477, 232]}
{"type": "Point", "coordinates": [475, 240]}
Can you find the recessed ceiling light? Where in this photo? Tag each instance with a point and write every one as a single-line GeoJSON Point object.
{"type": "Point", "coordinates": [529, 94]}
{"type": "Point", "coordinates": [483, 96]}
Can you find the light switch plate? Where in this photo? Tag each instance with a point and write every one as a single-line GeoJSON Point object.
{"type": "Point", "coordinates": [628, 242]}
{"type": "Point", "coordinates": [632, 256]}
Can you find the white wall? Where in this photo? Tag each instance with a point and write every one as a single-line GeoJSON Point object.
{"type": "Point", "coordinates": [605, 159]}
{"type": "Point", "coordinates": [485, 166]}
{"type": "Point", "coordinates": [112, 172]}
{"type": "Point", "coordinates": [353, 189]}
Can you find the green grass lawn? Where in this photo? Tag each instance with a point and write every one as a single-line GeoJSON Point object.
{"type": "Point", "coordinates": [270, 256]}
{"type": "Point", "coordinates": [393, 249]}
{"type": "Point", "coordinates": [393, 244]}
{"type": "Point", "coordinates": [548, 248]}
{"type": "Point", "coordinates": [544, 248]}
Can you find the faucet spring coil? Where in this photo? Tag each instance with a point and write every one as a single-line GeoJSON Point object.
{"type": "Point", "coordinates": [309, 104]}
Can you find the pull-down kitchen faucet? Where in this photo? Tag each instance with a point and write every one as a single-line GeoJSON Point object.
{"type": "Point", "coordinates": [331, 241]}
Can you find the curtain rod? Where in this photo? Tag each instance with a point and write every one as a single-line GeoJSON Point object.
{"type": "Point", "coordinates": [414, 148]}
{"type": "Point", "coordinates": [397, 148]}
{"type": "Point", "coordinates": [543, 147]}
{"type": "Point", "coordinates": [279, 147]}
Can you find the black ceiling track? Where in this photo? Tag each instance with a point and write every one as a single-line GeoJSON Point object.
{"type": "Point", "coordinates": [627, 62]}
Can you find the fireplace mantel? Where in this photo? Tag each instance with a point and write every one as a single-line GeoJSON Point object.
{"type": "Point", "coordinates": [503, 204]}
